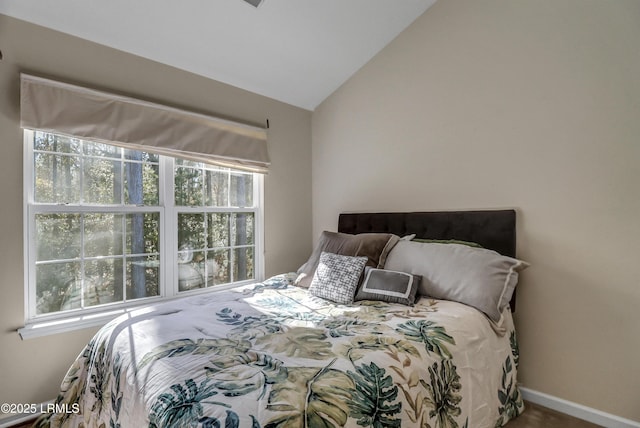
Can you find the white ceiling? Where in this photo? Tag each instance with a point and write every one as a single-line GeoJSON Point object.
{"type": "Point", "coordinates": [295, 51]}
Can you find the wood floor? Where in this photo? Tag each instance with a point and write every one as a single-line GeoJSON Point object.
{"type": "Point", "coordinates": [537, 416]}
{"type": "Point", "coordinates": [534, 416]}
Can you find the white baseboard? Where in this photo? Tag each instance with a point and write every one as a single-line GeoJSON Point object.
{"type": "Point", "coordinates": [577, 410]}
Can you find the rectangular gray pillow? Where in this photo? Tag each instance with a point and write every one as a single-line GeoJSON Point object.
{"type": "Point", "coordinates": [476, 277]}
{"type": "Point", "coordinates": [388, 286]}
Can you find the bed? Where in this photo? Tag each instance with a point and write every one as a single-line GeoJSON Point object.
{"type": "Point", "coordinates": [278, 354]}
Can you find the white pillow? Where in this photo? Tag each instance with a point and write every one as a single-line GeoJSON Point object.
{"type": "Point", "coordinates": [336, 277]}
{"type": "Point", "coordinates": [476, 277]}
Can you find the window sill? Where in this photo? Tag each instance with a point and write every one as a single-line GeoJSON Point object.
{"type": "Point", "coordinates": [46, 328]}
{"type": "Point", "coordinates": [40, 328]}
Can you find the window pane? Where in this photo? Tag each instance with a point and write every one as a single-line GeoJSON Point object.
{"type": "Point", "coordinates": [151, 177]}
{"type": "Point", "coordinates": [134, 183]}
{"type": "Point", "coordinates": [217, 188]}
{"type": "Point", "coordinates": [188, 187]}
{"type": "Point", "coordinates": [101, 278]}
{"type": "Point", "coordinates": [242, 229]}
{"type": "Point", "coordinates": [57, 287]}
{"type": "Point", "coordinates": [56, 143]}
{"type": "Point", "coordinates": [144, 156]}
{"type": "Point", "coordinates": [102, 181]}
{"type": "Point", "coordinates": [102, 234]}
{"type": "Point", "coordinates": [191, 270]}
{"type": "Point", "coordinates": [143, 277]}
{"type": "Point", "coordinates": [150, 185]}
{"type": "Point", "coordinates": [241, 190]}
{"type": "Point", "coordinates": [218, 230]}
{"type": "Point", "coordinates": [211, 268]}
{"type": "Point", "coordinates": [101, 150]}
{"type": "Point", "coordinates": [186, 162]}
{"type": "Point", "coordinates": [57, 236]}
{"type": "Point", "coordinates": [216, 267]}
{"type": "Point", "coordinates": [220, 264]}
{"type": "Point", "coordinates": [243, 264]}
{"type": "Point", "coordinates": [57, 178]}
{"type": "Point", "coordinates": [191, 232]}
{"type": "Point", "coordinates": [141, 181]}
{"type": "Point", "coordinates": [143, 233]}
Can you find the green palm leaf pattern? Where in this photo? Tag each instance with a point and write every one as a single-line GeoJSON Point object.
{"type": "Point", "coordinates": [240, 374]}
{"type": "Point", "coordinates": [256, 327]}
{"type": "Point", "coordinates": [298, 342]}
{"type": "Point", "coordinates": [231, 421]}
{"type": "Point", "coordinates": [416, 406]}
{"type": "Point", "coordinates": [180, 347]}
{"type": "Point", "coordinates": [373, 403]}
{"type": "Point", "coordinates": [373, 311]}
{"type": "Point", "coordinates": [347, 326]}
{"type": "Point", "coordinates": [73, 385]}
{"type": "Point", "coordinates": [116, 394]}
{"type": "Point", "coordinates": [70, 393]}
{"type": "Point", "coordinates": [360, 346]}
{"type": "Point", "coordinates": [311, 397]}
{"type": "Point", "coordinates": [515, 349]}
{"type": "Point", "coordinates": [432, 335]}
{"type": "Point", "coordinates": [279, 302]}
{"type": "Point", "coordinates": [443, 394]}
{"type": "Point", "coordinates": [99, 379]}
{"type": "Point", "coordinates": [342, 327]}
{"type": "Point", "coordinates": [227, 316]}
{"type": "Point", "coordinates": [420, 310]}
{"type": "Point", "coordinates": [279, 282]}
{"type": "Point", "coordinates": [251, 327]}
{"type": "Point", "coordinates": [180, 408]}
{"type": "Point", "coordinates": [511, 404]}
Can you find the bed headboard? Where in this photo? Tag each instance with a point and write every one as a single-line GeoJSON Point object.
{"type": "Point", "coordinates": [492, 229]}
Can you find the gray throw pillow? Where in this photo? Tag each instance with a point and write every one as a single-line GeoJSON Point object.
{"type": "Point", "coordinates": [476, 277]}
{"type": "Point", "coordinates": [337, 277]}
{"type": "Point", "coordinates": [388, 286]}
{"type": "Point", "coordinates": [373, 246]}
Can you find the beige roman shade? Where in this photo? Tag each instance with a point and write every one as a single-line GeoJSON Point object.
{"type": "Point", "coordinates": [89, 114]}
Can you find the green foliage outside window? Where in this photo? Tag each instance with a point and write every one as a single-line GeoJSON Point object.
{"type": "Point", "coordinates": [97, 224]}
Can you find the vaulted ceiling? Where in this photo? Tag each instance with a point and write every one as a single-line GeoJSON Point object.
{"type": "Point", "coordinates": [295, 51]}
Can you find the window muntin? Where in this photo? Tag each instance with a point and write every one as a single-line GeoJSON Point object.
{"type": "Point", "coordinates": [215, 229]}
{"type": "Point", "coordinates": [86, 259]}
{"type": "Point", "coordinates": [99, 217]}
{"type": "Point", "coordinates": [215, 248]}
{"type": "Point", "coordinates": [198, 184]}
{"type": "Point", "coordinates": [72, 171]}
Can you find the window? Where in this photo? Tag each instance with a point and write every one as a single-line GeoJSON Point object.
{"type": "Point", "coordinates": [108, 228]}
{"type": "Point", "coordinates": [215, 244]}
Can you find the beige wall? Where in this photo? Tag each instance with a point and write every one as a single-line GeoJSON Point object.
{"type": "Point", "coordinates": [31, 370]}
{"type": "Point", "coordinates": [526, 104]}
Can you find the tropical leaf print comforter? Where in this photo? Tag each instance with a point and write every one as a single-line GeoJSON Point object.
{"type": "Point", "coordinates": [271, 355]}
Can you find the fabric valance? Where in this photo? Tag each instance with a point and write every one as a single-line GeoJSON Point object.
{"type": "Point", "coordinates": [89, 114]}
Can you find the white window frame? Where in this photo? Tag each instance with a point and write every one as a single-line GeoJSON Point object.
{"type": "Point", "coordinates": [37, 325]}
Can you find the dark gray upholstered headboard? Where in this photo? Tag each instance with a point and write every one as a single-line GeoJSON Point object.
{"type": "Point", "coordinates": [492, 229]}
